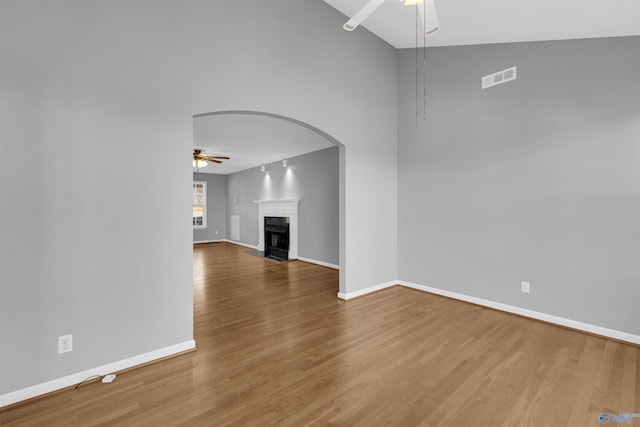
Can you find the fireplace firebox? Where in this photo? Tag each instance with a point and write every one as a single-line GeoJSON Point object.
{"type": "Point", "coordinates": [276, 237]}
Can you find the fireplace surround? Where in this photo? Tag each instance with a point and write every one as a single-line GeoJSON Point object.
{"type": "Point", "coordinates": [283, 208]}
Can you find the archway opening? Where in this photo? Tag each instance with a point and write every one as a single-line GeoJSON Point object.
{"type": "Point", "coordinates": [280, 121]}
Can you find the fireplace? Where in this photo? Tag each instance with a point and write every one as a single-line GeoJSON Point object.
{"type": "Point", "coordinates": [283, 209]}
{"type": "Point", "coordinates": [276, 237]}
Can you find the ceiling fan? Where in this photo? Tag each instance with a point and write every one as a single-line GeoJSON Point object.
{"type": "Point", "coordinates": [431, 26]}
{"type": "Point", "coordinates": [201, 159]}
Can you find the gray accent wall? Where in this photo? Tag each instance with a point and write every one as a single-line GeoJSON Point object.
{"type": "Point", "coordinates": [312, 178]}
{"type": "Point", "coordinates": [216, 208]}
{"type": "Point", "coordinates": [534, 180]}
{"type": "Point", "coordinates": [102, 249]}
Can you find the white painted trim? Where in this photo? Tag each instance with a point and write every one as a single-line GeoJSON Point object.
{"type": "Point", "coordinates": [207, 241]}
{"type": "Point", "coordinates": [574, 324]}
{"type": "Point", "coordinates": [276, 201]}
{"type": "Point", "coordinates": [366, 291]}
{"type": "Point", "coordinates": [285, 208]}
{"type": "Point", "coordinates": [69, 380]}
{"type": "Point", "coordinates": [322, 263]}
{"type": "Point", "coordinates": [240, 244]}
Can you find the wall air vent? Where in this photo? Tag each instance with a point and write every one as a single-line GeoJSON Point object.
{"type": "Point", "coordinates": [499, 77]}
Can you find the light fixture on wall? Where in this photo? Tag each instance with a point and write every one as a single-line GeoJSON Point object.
{"type": "Point", "coordinates": [263, 168]}
{"type": "Point", "coordinates": [284, 163]}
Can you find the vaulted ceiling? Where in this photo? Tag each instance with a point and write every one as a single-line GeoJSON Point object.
{"type": "Point", "coordinates": [250, 141]}
{"type": "Point", "coordinates": [468, 22]}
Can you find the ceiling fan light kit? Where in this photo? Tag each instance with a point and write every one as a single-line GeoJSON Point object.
{"type": "Point", "coordinates": [201, 159]}
{"type": "Point", "coordinates": [199, 163]}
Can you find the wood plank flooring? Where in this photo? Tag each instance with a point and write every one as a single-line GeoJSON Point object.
{"type": "Point", "coordinates": [276, 347]}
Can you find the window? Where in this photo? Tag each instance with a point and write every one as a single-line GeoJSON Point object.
{"type": "Point", "coordinates": [199, 204]}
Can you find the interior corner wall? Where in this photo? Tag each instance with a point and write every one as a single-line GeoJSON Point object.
{"type": "Point", "coordinates": [313, 179]}
{"type": "Point", "coordinates": [96, 240]}
{"type": "Point", "coordinates": [534, 180]}
{"type": "Point", "coordinates": [216, 228]}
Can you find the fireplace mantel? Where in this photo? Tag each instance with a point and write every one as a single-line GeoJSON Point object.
{"type": "Point", "coordinates": [282, 208]}
{"type": "Point", "coordinates": [275, 201]}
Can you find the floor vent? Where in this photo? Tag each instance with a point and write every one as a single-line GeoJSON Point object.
{"type": "Point", "coordinates": [499, 77]}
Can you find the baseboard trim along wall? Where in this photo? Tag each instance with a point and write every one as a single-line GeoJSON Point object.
{"type": "Point", "coordinates": [573, 324]}
{"type": "Point", "coordinates": [240, 244]}
{"type": "Point", "coordinates": [561, 321]}
{"type": "Point", "coordinates": [361, 292]}
{"type": "Point", "coordinates": [312, 261]}
{"type": "Point", "coordinates": [70, 380]}
{"type": "Point", "coordinates": [322, 263]}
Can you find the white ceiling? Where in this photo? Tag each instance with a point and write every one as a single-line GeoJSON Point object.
{"type": "Point", "coordinates": [468, 22]}
{"type": "Point", "coordinates": [251, 140]}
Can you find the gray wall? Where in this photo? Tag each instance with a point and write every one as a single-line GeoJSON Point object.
{"type": "Point", "coordinates": [535, 180]}
{"type": "Point", "coordinates": [103, 249]}
{"type": "Point", "coordinates": [216, 208]}
{"type": "Point", "coordinates": [312, 178]}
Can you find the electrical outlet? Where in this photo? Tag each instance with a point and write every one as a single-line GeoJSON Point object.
{"type": "Point", "coordinates": [525, 287]}
{"type": "Point", "coordinates": [65, 344]}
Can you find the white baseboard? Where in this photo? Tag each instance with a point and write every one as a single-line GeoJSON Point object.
{"type": "Point", "coordinates": [365, 291]}
{"type": "Point", "coordinates": [207, 241]}
{"type": "Point", "coordinates": [312, 261]}
{"type": "Point", "coordinates": [573, 324]}
{"type": "Point", "coordinates": [69, 380]}
{"type": "Point", "coordinates": [322, 263]}
{"type": "Point", "coordinates": [240, 244]}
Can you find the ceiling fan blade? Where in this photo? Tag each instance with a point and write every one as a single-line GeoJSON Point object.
{"type": "Point", "coordinates": [213, 160]}
{"type": "Point", "coordinates": [433, 24]}
{"type": "Point", "coordinates": [362, 14]}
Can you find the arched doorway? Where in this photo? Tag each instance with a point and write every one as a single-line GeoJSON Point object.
{"type": "Point", "coordinates": [341, 166]}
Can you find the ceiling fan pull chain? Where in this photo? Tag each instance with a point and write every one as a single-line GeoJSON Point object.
{"type": "Point", "coordinates": [416, 6]}
{"type": "Point", "coordinates": [424, 61]}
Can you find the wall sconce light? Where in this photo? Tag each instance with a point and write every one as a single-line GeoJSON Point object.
{"type": "Point", "coordinates": [284, 163]}
{"type": "Point", "coordinates": [263, 167]}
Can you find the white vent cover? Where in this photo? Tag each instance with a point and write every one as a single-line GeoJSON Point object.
{"type": "Point", "coordinates": [235, 227]}
{"type": "Point", "coordinates": [499, 77]}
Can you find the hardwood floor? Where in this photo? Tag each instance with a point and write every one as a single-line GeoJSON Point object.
{"type": "Point", "coordinates": [276, 347]}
